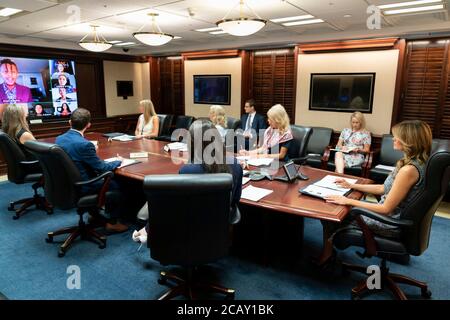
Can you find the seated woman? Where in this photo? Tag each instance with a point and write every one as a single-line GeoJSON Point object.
{"type": "Point", "coordinates": [355, 140]}
{"type": "Point", "coordinates": [148, 122]}
{"type": "Point", "coordinates": [414, 139]}
{"type": "Point", "coordinates": [277, 137]}
{"type": "Point", "coordinates": [219, 119]}
{"type": "Point", "coordinates": [198, 164]}
{"type": "Point", "coordinates": [14, 123]}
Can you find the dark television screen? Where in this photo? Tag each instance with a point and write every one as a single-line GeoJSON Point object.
{"type": "Point", "coordinates": [46, 87]}
{"type": "Point", "coordinates": [346, 92]}
{"type": "Point", "coordinates": [212, 89]}
{"type": "Point", "coordinates": [124, 88]}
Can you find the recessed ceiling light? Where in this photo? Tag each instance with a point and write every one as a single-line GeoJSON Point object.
{"type": "Point", "coordinates": [208, 29]}
{"type": "Point", "coordinates": [347, 16]}
{"type": "Point", "coordinates": [297, 23]}
{"type": "Point", "coordinates": [6, 12]}
{"type": "Point", "coordinates": [177, 37]}
{"type": "Point", "coordinates": [306, 16]}
{"type": "Point", "coordinates": [417, 9]}
{"type": "Point", "coordinates": [218, 32]}
{"type": "Point", "coordinates": [115, 41]}
{"type": "Point", "coordinates": [407, 4]}
{"type": "Point", "coordinates": [125, 43]}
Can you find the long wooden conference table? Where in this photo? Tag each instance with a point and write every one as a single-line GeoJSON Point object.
{"type": "Point", "coordinates": [285, 198]}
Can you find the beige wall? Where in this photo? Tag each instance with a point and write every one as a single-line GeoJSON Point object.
{"type": "Point", "coordinates": [139, 73]}
{"type": "Point", "coordinates": [383, 63]}
{"type": "Point", "coordinates": [212, 66]}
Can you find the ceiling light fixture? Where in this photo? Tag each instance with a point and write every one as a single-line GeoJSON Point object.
{"type": "Point", "coordinates": [286, 19]}
{"type": "Point", "coordinates": [298, 23]}
{"type": "Point", "coordinates": [413, 10]}
{"type": "Point", "coordinates": [407, 4]}
{"type": "Point", "coordinates": [6, 12]}
{"type": "Point", "coordinates": [155, 37]}
{"type": "Point", "coordinates": [97, 44]}
{"type": "Point", "coordinates": [242, 26]}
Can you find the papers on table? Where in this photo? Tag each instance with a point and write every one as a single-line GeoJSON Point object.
{"type": "Point", "coordinates": [255, 161]}
{"type": "Point", "coordinates": [349, 149]}
{"type": "Point", "coordinates": [327, 187]}
{"type": "Point", "coordinates": [245, 180]}
{"type": "Point", "coordinates": [383, 167]}
{"type": "Point", "coordinates": [123, 138]}
{"type": "Point", "coordinates": [176, 146]}
{"type": "Point", "coordinates": [125, 162]}
{"type": "Point", "coordinates": [254, 194]}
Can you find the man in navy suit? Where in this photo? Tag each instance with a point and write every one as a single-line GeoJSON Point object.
{"type": "Point", "coordinates": [84, 155]}
{"type": "Point", "coordinates": [251, 124]}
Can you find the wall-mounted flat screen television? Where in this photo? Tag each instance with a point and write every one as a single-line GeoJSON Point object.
{"type": "Point", "coordinates": [124, 89]}
{"type": "Point", "coordinates": [47, 87]}
{"type": "Point", "coordinates": [212, 89]}
{"type": "Point", "coordinates": [345, 92]}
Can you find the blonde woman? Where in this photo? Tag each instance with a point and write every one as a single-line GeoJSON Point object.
{"type": "Point", "coordinates": [148, 122]}
{"type": "Point", "coordinates": [414, 139]}
{"type": "Point", "coordinates": [277, 137]}
{"type": "Point", "coordinates": [354, 142]}
{"type": "Point", "coordinates": [14, 123]}
{"type": "Point", "coordinates": [219, 119]}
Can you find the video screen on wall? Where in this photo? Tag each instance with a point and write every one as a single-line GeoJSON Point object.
{"type": "Point", "coordinates": [46, 87]}
{"type": "Point", "coordinates": [212, 89]}
{"type": "Point", "coordinates": [346, 92]}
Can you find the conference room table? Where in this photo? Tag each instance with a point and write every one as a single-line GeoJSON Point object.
{"type": "Point", "coordinates": [285, 198]}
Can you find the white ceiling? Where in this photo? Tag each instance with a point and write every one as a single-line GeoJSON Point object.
{"type": "Point", "coordinates": [62, 23]}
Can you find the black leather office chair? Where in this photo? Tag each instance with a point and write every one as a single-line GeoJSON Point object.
{"type": "Point", "coordinates": [21, 171]}
{"type": "Point", "coordinates": [361, 170]}
{"type": "Point", "coordinates": [189, 226]}
{"type": "Point", "coordinates": [182, 122]}
{"type": "Point", "coordinates": [385, 156]}
{"type": "Point", "coordinates": [301, 136]}
{"type": "Point", "coordinates": [165, 122]}
{"type": "Point", "coordinates": [318, 142]}
{"type": "Point", "coordinates": [233, 123]}
{"type": "Point", "coordinates": [63, 190]}
{"type": "Point", "coordinates": [414, 229]}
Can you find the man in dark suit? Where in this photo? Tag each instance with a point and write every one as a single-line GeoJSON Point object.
{"type": "Point", "coordinates": [252, 123]}
{"type": "Point", "coordinates": [84, 155]}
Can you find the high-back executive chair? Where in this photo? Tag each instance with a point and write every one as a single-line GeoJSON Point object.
{"type": "Point", "coordinates": [386, 156]}
{"type": "Point", "coordinates": [298, 145]}
{"type": "Point", "coordinates": [182, 122]}
{"type": "Point", "coordinates": [189, 226]}
{"type": "Point", "coordinates": [22, 171]}
{"type": "Point", "coordinates": [233, 123]}
{"type": "Point", "coordinates": [414, 233]}
{"type": "Point", "coordinates": [63, 190]}
{"type": "Point", "coordinates": [165, 121]}
{"type": "Point", "coordinates": [318, 142]}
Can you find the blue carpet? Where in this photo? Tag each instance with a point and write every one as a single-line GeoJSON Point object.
{"type": "Point", "coordinates": [30, 268]}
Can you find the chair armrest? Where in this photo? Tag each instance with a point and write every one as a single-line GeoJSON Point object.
{"type": "Point", "coordinates": [367, 164]}
{"type": "Point", "coordinates": [381, 218]}
{"type": "Point", "coordinates": [107, 174]}
{"type": "Point", "coordinates": [326, 157]}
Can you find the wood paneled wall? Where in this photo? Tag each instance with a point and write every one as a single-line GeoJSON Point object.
{"type": "Point", "coordinates": [425, 90]}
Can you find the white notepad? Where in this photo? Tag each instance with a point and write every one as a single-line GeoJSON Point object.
{"type": "Point", "coordinates": [125, 162]}
{"type": "Point", "coordinates": [124, 138]}
{"type": "Point", "coordinates": [383, 167]}
{"type": "Point", "coordinates": [255, 194]}
{"type": "Point", "coordinates": [245, 180]}
{"type": "Point", "coordinates": [259, 161]}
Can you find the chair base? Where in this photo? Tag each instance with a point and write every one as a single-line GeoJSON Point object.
{"type": "Point", "coordinates": [187, 287]}
{"type": "Point", "coordinates": [37, 200]}
{"type": "Point", "coordinates": [82, 230]}
{"type": "Point", "coordinates": [388, 280]}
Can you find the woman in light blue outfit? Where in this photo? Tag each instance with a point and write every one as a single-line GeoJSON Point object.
{"type": "Point", "coordinates": [354, 143]}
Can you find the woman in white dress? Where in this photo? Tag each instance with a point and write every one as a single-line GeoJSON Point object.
{"type": "Point", "coordinates": [148, 122]}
